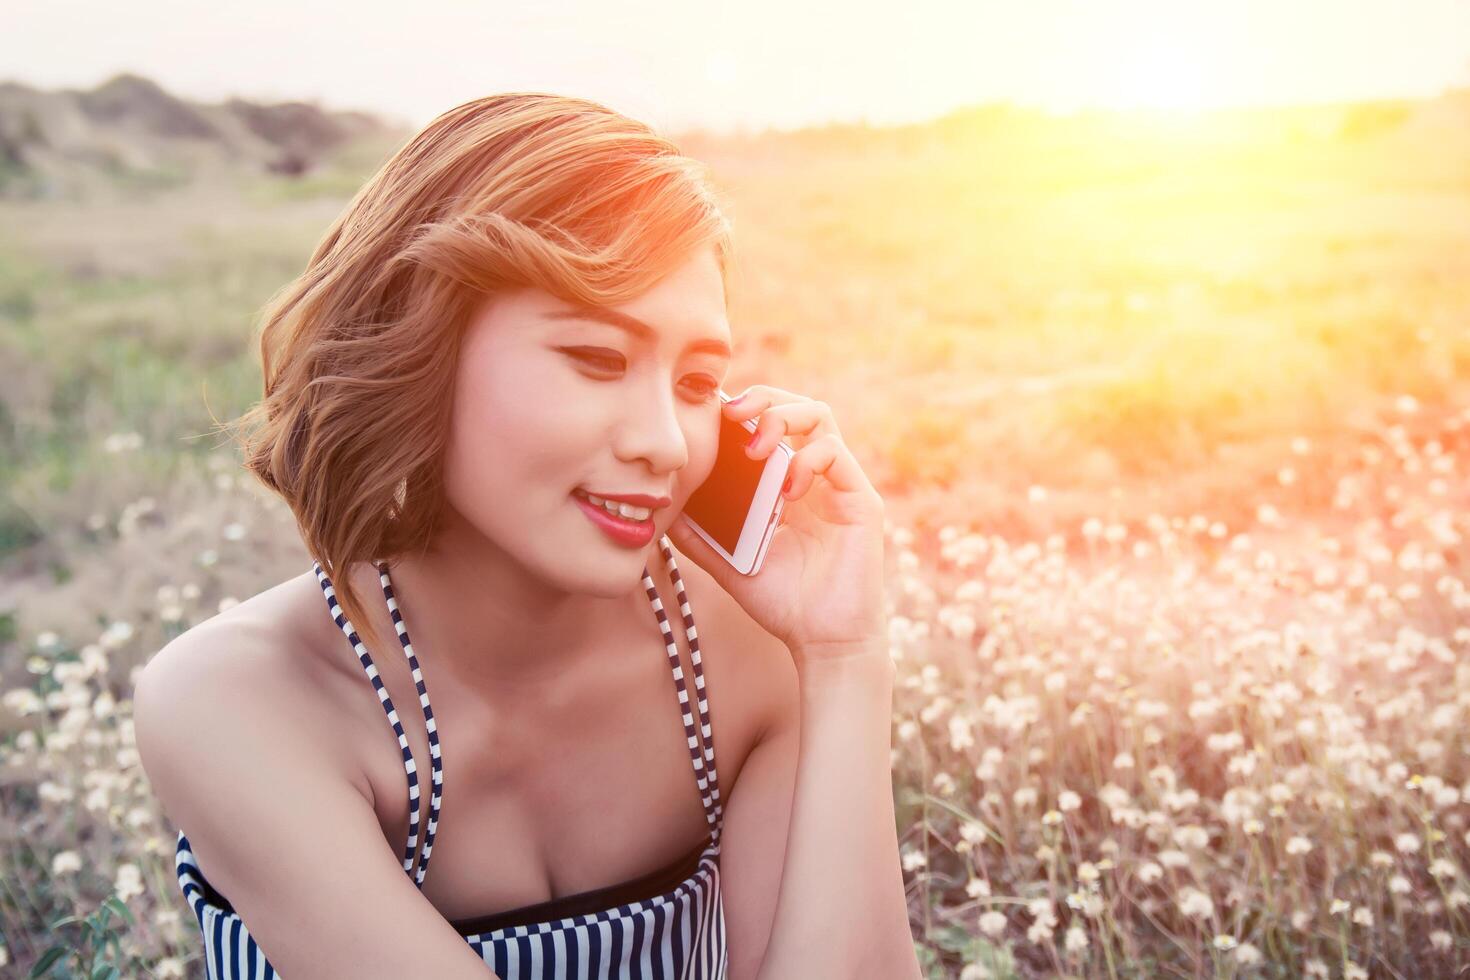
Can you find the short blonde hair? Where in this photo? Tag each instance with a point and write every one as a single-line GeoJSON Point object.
{"type": "Point", "coordinates": [358, 353]}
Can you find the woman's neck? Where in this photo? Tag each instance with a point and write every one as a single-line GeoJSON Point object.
{"type": "Point", "coordinates": [485, 622]}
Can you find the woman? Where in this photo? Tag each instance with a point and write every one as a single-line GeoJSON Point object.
{"type": "Point", "coordinates": [526, 306]}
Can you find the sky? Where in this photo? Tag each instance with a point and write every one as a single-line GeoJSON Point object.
{"type": "Point", "coordinates": [755, 64]}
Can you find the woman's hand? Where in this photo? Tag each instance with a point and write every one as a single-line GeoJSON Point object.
{"type": "Point", "coordinates": [820, 590]}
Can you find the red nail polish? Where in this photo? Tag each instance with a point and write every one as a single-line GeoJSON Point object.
{"type": "Point", "coordinates": [786, 487]}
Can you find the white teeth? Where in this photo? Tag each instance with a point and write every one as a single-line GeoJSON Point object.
{"type": "Point", "coordinates": [626, 511]}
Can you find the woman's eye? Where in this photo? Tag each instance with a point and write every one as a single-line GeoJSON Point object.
{"type": "Point", "coordinates": [610, 360]}
{"type": "Point", "coordinates": [707, 391]}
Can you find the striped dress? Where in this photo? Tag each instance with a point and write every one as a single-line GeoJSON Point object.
{"type": "Point", "coordinates": [667, 924]}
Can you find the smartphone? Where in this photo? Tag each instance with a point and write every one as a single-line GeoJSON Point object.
{"type": "Point", "coordinates": [738, 507]}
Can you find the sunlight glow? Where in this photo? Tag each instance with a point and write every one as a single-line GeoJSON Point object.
{"type": "Point", "coordinates": [1146, 55]}
{"type": "Point", "coordinates": [767, 62]}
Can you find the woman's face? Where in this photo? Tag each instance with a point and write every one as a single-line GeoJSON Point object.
{"type": "Point", "coordinates": [549, 399]}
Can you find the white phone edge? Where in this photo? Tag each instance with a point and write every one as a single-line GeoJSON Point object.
{"type": "Point", "coordinates": [750, 551]}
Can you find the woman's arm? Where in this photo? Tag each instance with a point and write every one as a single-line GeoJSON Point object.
{"type": "Point", "coordinates": [235, 756]}
{"type": "Point", "coordinates": [841, 910]}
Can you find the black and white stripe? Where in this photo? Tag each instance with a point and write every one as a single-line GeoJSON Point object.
{"type": "Point", "coordinates": [676, 935]}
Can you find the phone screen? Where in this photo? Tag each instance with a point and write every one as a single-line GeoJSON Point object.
{"type": "Point", "coordinates": [723, 500]}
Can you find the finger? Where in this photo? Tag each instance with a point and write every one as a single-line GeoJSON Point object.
{"type": "Point", "coordinates": [684, 537]}
{"type": "Point", "coordinates": [828, 456]}
{"type": "Point", "coordinates": [762, 397]}
{"type": "Point", "coordinates": [806, 418]}
{"type": "Point", "coordinates": [757, 399]}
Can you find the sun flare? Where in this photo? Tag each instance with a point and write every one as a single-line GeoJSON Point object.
{"type": "Point", "coordinates": [1148, 57]}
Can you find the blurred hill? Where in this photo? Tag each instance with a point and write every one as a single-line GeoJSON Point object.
{"type": "Point", "coordinates": [130, 132]}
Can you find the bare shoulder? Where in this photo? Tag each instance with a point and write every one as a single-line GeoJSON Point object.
{"type": "Point", "coordinates": [751, 670]}
{"type": "Point", "coordinates": [243, 648]}
{"type": "Point", "coordinates": [253, 665]}
{"type": "Point", "coordinates": [239, 752]}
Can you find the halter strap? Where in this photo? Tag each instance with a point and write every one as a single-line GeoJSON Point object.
{"type": "Point", "coordinates": [702, 759]}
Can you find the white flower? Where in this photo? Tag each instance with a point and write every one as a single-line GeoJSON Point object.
{"type": "Point", "coordinates": [1195, 904]}
{"type": "Point", "coordinates": [116, 634]}
{"type": "Point", "coordinates": [960, 736]}
{"type": "Point", "coordinates": [1440, 939]}
{"type": "Point", "coordinates": [993, 923]}
{"type": "Point", "coordinates": [1298, 845]}
{"type": "Point", "coordinates": [1192, 835]}
{"type": "Point", "coordinates": [55, 792]}
{"type": "Point", "coordinates": [1406, 843]}
{"type": "Point", "coordinates": [1224, 943]}
{"type": "Point", "coordinates": [23, 701]}
{"type": "Point", "coordinates": [1068, 800]}
{"type": "Point", "coordinates": [972, 831]}
{"type": "Point", "coordinates": [1442, 868]}
{"type": "Point", "coordinates": [65, 862]}
{"type": "Point", "coordinates": [1247, 955]}
{"type": "Point", "coordinates": [129, 881]}
{"type": "Point", "coordinates": [122, 442]}
{"type": "Point", "coordinates": [1173, 858]}
{"type": "Point", "coordinates": [1076, 940]}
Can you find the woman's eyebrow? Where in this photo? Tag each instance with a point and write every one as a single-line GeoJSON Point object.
{"type": "Point", "coordinates": [636, 327]}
